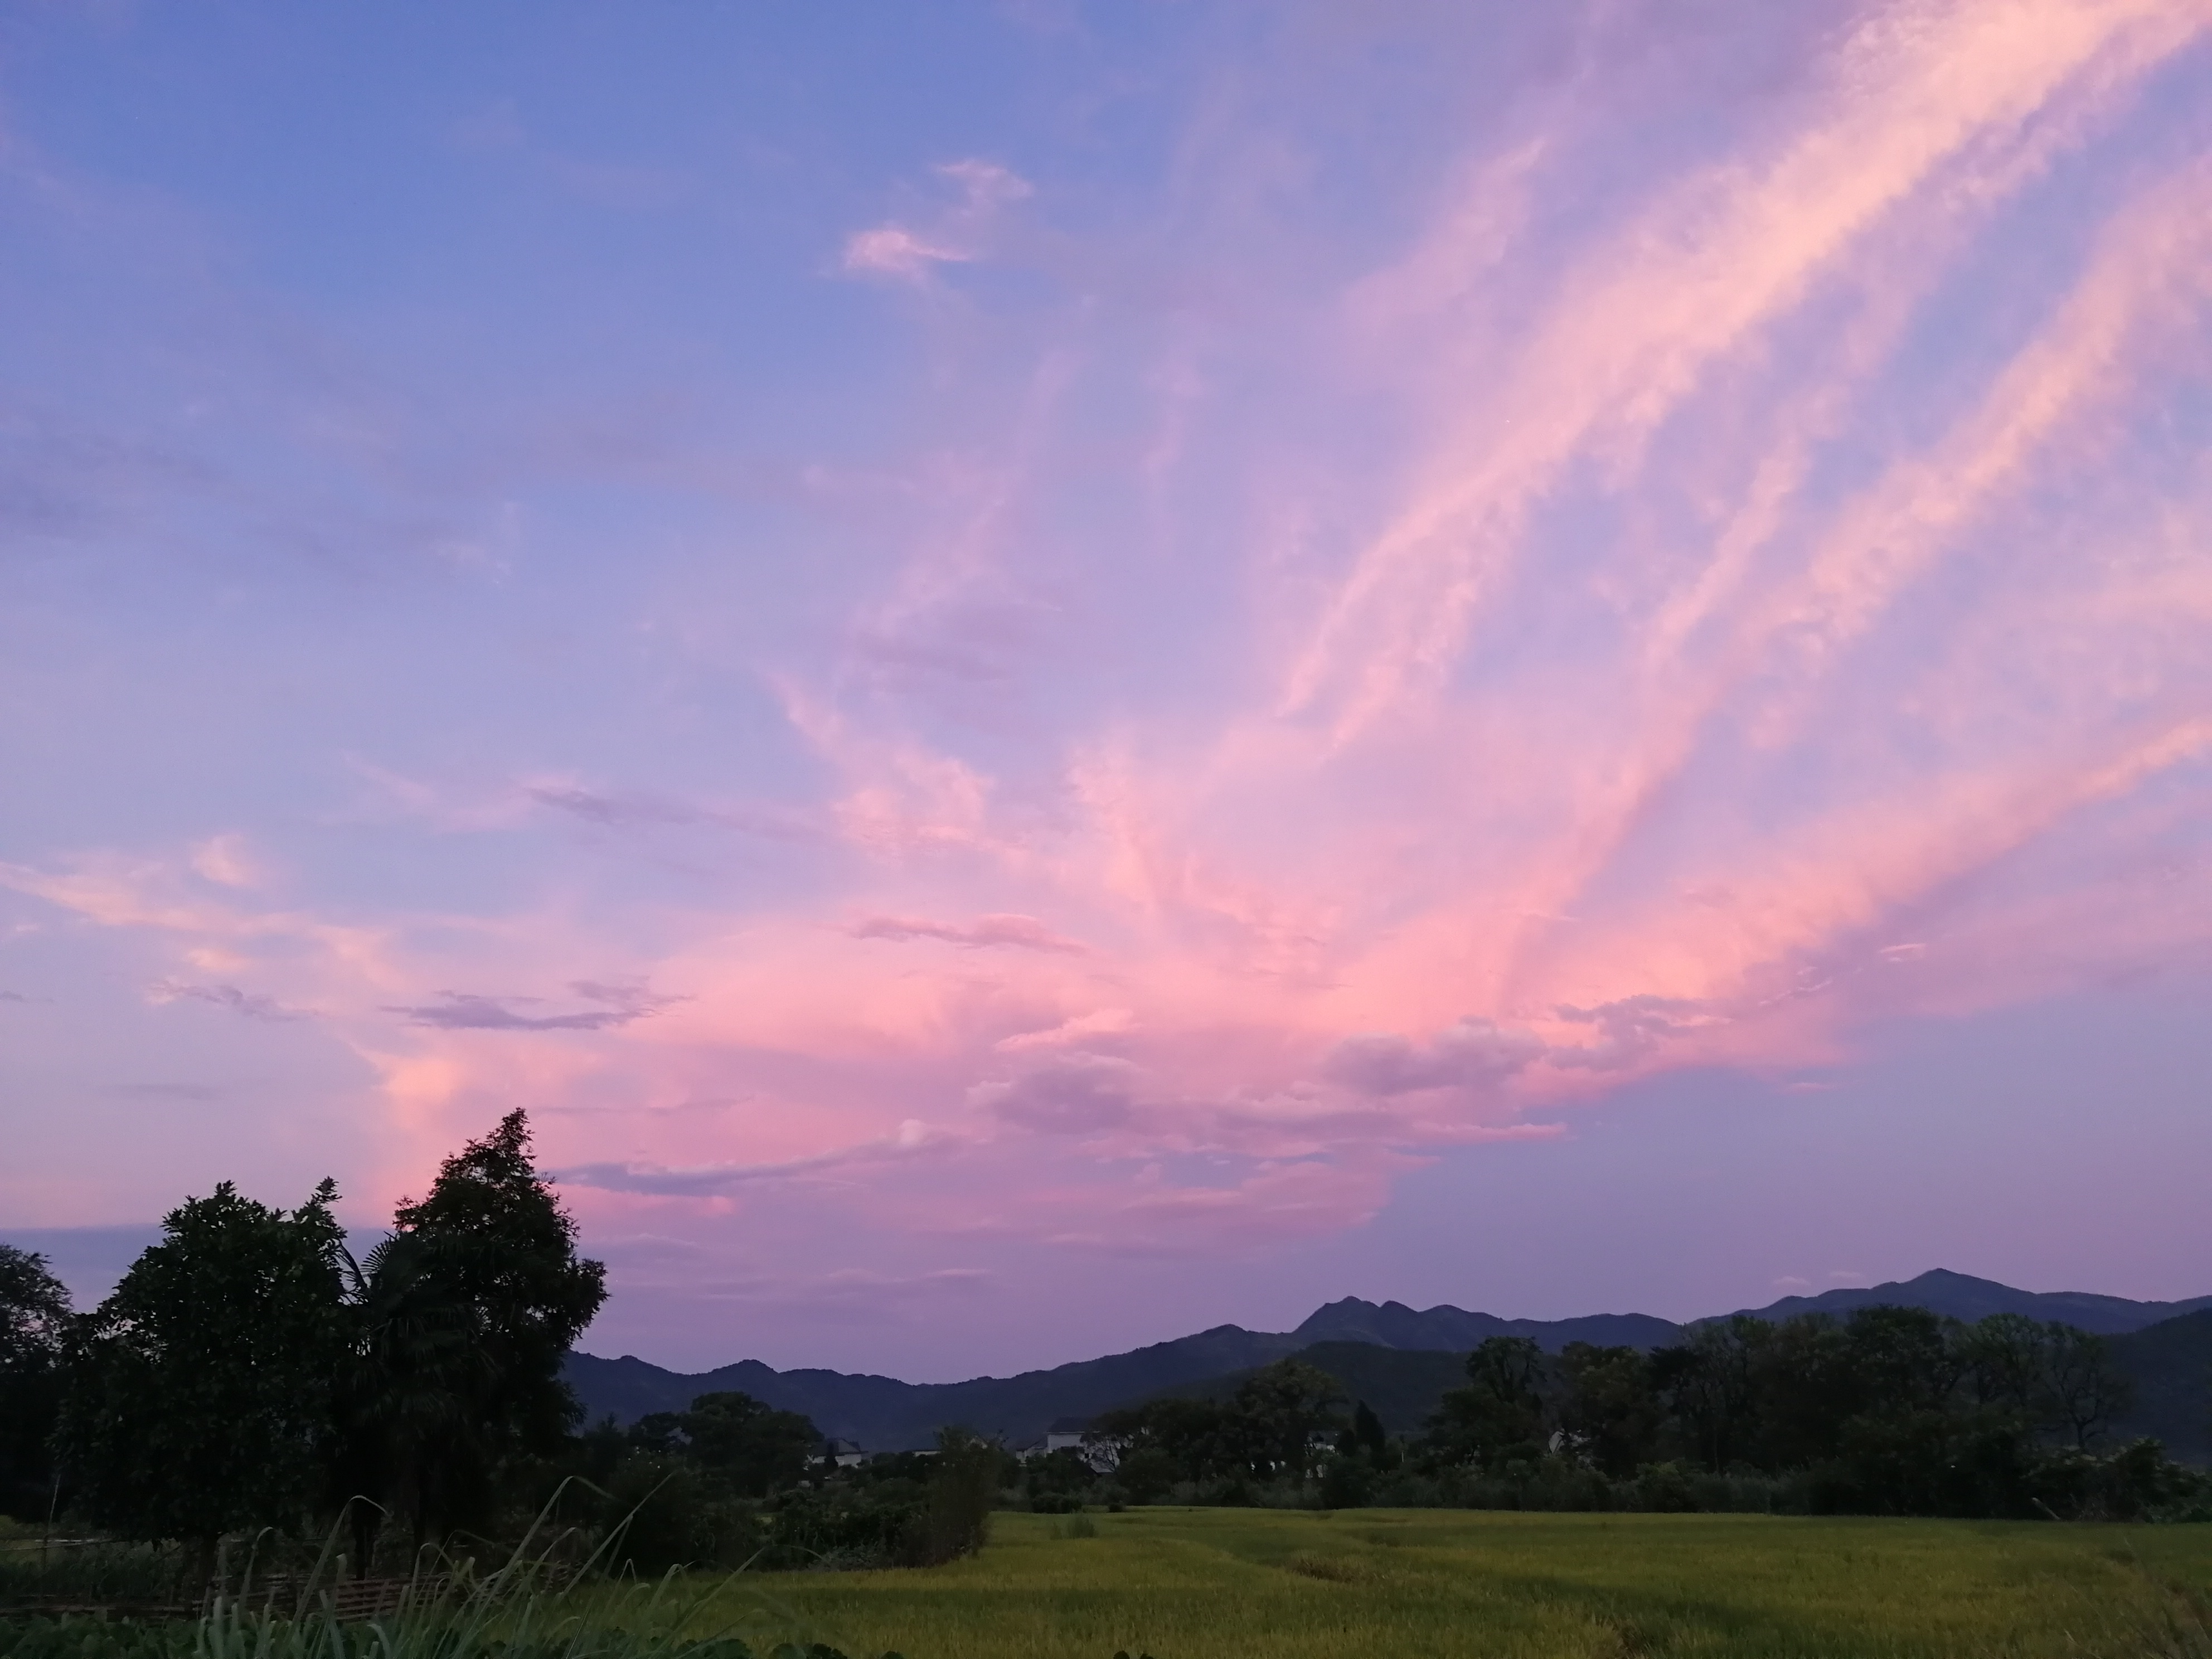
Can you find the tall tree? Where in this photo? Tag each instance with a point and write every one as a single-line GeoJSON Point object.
{"type": "Point", "coordinates": [198, 1393]}
{"type": "Point", "coordinates": [2083, 1391]}
{"type": "Point", "coordinates": [1195, 1436]}
{"type": "Point", "coordinates": [1279, 1409]}
{"type": "Point", "coordinates": [1499, 1417]}
{"type": "Point", "coordinates": [746, 1448]}
{"type": "Point", "coordinates": [1711, 1383]}
{"type": "Point", "coordinates": [1607, 1407]}
{"type": "Point", "coordinates": [472, 1309]}
{"type": "Point", "coordinates": [35, 1314]}
{"type": "Point", "coordinates": [410, 1375]}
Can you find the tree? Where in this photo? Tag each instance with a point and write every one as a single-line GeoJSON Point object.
{"type": "Point", "coordinates": [1146, 1474]}
{"type": "Point", "coordinates": [461, 1326]}
{"type": "Point", "coordinates": [198, 1394]}
{"type": "Point", "coordinates": [746, 1449]}
{"type": "Point", "coordinates": [34, 1315]}
{"type": "Point", "coordinates": [2061, 1380]}
{"type": "Point", "coordinates": [405, 1382]}
{"type": "Point", "coordinates": [1366, 1434]}
{"type": "Point", "coordinates": [1279, 1410]}
{"type": "Point", "coordinates": [956, 1518]}
{"type": "Point", "coordinates": [1607, 1409]}
{"type": "Point", "coordinates": [1197, 1435]}
{"type": "Point", "coordinates": [1710, 1384]}
{"type": "Point", "coordinates": [2002, 1361]}
{"type": "Point", "coordinates": [2082, 1391]}
{"type": "Point", "coordinates": [1499, 1417]}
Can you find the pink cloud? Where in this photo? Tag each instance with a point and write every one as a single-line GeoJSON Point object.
{"type": "Point", "coordinates": [1077, 1030]}
{"type": "Point", "coordinates": [894, 250]}
{"type": "Point", "coordinates": [957, 234]}
{"type": "Point", "coordinates": [1078, 1094]}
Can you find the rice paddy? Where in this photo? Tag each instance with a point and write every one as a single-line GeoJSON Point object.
{"type": "Point", "coordinates": [1243, 1584]}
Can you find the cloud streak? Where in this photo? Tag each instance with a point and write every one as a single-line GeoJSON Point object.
{"type": "Point", "coordinates": [250, 1004]}
{"type": "Point", "coordinates": [468, 1010]}
{"type": "Point", "coordinates": [1012, 931]}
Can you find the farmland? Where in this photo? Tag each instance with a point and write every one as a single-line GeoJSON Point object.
{"type": "Point", "coordinates": [1230, 1583]}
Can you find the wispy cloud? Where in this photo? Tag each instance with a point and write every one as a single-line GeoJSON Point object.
{"type": "Point", "coordinates": [469, 1011]}
{"type": "Point", "coordinates": [252, 1005]}
{"type": "Point", "coordinates": [954, 234]}
{"type": "Point", "coordinates": [912, 1140]}
{"type": "Point", "coordinates": [1015, 932]}
{"type": "Point", "coordinates": [617, 809]}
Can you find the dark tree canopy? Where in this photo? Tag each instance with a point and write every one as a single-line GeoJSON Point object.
{"type": "Point", "coordinates": [34, 1315]}
{"type": "Point", "coordinates": [198, 1397]}
{"type": "Point", "coordinates": [1277, 1422]}
{"type": "Point", "coordinates": [462, 1320]}
{"type": "Point", "coordinates": [1499, 1417]}
{"type": "Point", "coordinates": [743, 1448]}
{"type": "Point", "coordinates": [1606, 1411]}
{"type": "Point", "coordinates": [510, 1247]}
{"type": "Point", "coordinates": [1281, 1409]}
{"type": "Point", "coordinates": [1890, 1410]}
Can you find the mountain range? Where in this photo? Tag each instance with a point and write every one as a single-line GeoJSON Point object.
{"type": "Point", "coordinates": [1397, 1359]}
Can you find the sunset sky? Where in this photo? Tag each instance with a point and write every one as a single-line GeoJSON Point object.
{"type": "Point", "coordinates": [1044, 674]}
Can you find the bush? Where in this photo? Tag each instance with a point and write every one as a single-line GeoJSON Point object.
{"type": "Point", "coordinates": [956, 1519]}
{"type": "Point", "coordinates": [98, 1573]}
{"type": "Point", "coordinates": [1147, 1474]}
{"type": "Point", "coordinates": [661, 1517]}
{"type": "Point", "coordinates": [841, 1527]}
{"type": "Point", "coordinates": [2138, 1482]}
{"type": "Point", "coordinates": [1347, 1482]}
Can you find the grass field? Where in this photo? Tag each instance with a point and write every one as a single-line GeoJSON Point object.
{"type": "Point", "coordinates": [1230, 1583]}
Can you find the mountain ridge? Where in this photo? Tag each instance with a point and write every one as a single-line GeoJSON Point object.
{"type": "Point", "coordinates": [1967, 1298]}
{"type": "Point", "coordinates": [884, 1413]}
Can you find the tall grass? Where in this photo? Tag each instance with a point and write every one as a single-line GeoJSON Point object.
{"type": "Point", "coordinates": [535, 1605]}
{"type": "Point", "coordinates": [34, 1569]}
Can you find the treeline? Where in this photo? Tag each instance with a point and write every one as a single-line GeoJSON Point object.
{"type": "Point", "coordinates": [1892, 1411]}
{"type": "Point", "coordinates": [247, 1373]}
{"type": "Point", "coordinates": [732, 1482]}
{"type": "Point", "coordinates": [248, 1376]}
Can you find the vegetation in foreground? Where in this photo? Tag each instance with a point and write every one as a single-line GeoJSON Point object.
{"type": "Point", "coordinates": [528, 1608]}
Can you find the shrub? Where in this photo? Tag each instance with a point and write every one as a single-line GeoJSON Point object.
{"type": "Point", "coordinates": [1347, 1483]}
{"type": "Point", "coordinates": [956, 1520]}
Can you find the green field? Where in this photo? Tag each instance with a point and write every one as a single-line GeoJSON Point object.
{"type": "Point", "coordinates": [1229, 1583]}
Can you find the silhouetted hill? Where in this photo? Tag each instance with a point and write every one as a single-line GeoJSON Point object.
{"type": "Point", "coordinates": [1963, 1297]}
{"type": "Point", "coordinates": [1397, 1359]}
{"type": "Point", "coordinates": [884, 1414]}
{"type": "Point", "coordinates": [1394, 1325]}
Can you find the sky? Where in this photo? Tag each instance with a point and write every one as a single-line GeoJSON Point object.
{"type": "Point", "coordinates": [1043, 674]}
